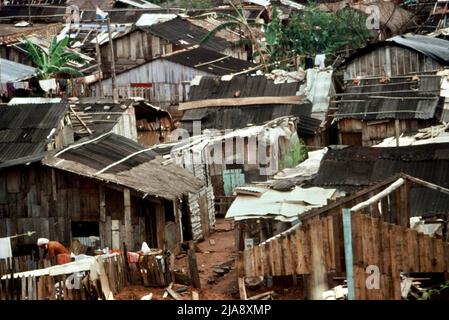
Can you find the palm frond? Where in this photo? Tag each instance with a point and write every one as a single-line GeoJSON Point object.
{"type": "Point", "coordinates": [35, 52]}
{"type": "Point", "coordinates": [71, 71]}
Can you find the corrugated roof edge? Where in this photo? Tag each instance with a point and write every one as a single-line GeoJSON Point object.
{"type": "Point", "coordinates": [23, 161]}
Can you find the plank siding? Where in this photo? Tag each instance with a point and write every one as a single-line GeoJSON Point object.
{"type": "Point", "coordinates": [30, 204]}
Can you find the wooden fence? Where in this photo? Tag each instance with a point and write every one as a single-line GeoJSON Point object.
{"type": "Point", "coordinates": [392, 249]}
{"type": "Point", "coordinates": [317, 248]}
{"type": "Point", "coordinates": [45, 287]}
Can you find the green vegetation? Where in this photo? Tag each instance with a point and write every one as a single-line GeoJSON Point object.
{"type": "Point", "coordinates": [307, 33]}
{"type": "Point", "coordinates": [54, 62]}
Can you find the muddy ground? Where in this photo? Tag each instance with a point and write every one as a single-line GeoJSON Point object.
{"type": "Point", "coordinates": [217, 250]}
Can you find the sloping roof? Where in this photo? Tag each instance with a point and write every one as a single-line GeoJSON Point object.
{"type": "Point", "coordinates": [227, 117]}
{"type": "Point", "coordinates": [185, 34]}
{"type": "Point", "coordinates": [247, 86]}
{"type": "Point", "coordinates": [12, 71]}
{"type": "Point", "coordinates": [142, 172]}
{"type": "Point", "coordinates": [353, 168]}
{"type": "Point", "coordinates": [10, 34]}
{"type": "Point", "coordinates": [25, 129]}
{"type": "Point", "coordinates": [397, 98]}
{"type": "Point", "coordinates": [99, 116]}
{"type": "Point", "coordinates": [240, 117]}
{"type": "Point", "coordinates": [279, 205]}
{"type": "Point", "coordinates": [308, 126]}
{"type": "Point", "coordinates": [208, 61]}
{"type": "Point", "coordinates": [435, 48]}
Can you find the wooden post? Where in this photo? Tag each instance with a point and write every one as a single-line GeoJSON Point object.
{"type": "Point", "coordinates": [160, 226]}
{"type": "Point", "coordinates": [125, 254]}
{"type": "Point", "coordinates": [397, 130]}
{"type": "Point", "coordinates": [103, 231]}
{"type": "Point", "coordinates": [347, 235]}
{"type": "Point", "coordinates": [193, 267]}
{"type": "Point", "coordinates": [114, 80]}
{"type": "Point", "coordinates": [242, 289]}
{"type": "Point", "coordinates": [98, 51]}
{"type": "Point", "coordinates": [128, 228]}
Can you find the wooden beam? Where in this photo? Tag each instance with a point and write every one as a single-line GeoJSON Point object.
{"type": "Point", "coordinates": [242, 289]}
{"type": "Point", "coordinates": [395, 185]}
{"type": "Point", "coordinates": [80, 120]}
{"type": "Point", "coordinates": [239, 102]}
{"type": "Point", "coordinates": [347, 235]}
{"type": "Point", "coordinates": [193, 266]}
{"type": "Point", "coordinates": [127, 217]}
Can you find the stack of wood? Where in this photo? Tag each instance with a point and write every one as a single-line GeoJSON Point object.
{"type": "Point", "coordinates": [155, 270]}
{"type": "Point", "coordinates": [81, 121]}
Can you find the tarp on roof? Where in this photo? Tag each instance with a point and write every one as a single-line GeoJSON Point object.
{"type": "Point", "coordinates": [282, 206]}
{"type": "Point", "coordinates": [148, 19]}
{"type": "Point", "coordinates": [436, 48]}
{"type": "Point", "coordinates": [11, 71]}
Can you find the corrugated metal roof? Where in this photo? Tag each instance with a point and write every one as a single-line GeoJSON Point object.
{"type": "Point", "coordinates": [395, 98]}
{"type": "Point", "coordinates": [435, 48]}
{"type": "Point", "coordinates": [111, 148]}
{"type": "Point", "coordinates": [308, 126]}
{"type": "Point", "coordinates": [12, 71]}
{"type": "Point", "coordinates": [209, 61]}
{"type": "Point", "coordinates": [247, 86]}
{"type": "Point", "coordinates": [283, 206]}
{"type": "Point", "coordinates": [24, 129]}
{"type": "Point", "coordinates": [143, 172]}
{"type": "Point", "coordinates": [353, 168]}
{"type": "Point", "coordinates": [185, 34]}
{"type": "Point", "coordinates": [240, 117]}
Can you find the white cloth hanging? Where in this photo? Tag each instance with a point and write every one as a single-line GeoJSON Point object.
{"type": "Point", "coordinates": [48, 85]}
{"type": "Point", "coordinates": [5, 248]}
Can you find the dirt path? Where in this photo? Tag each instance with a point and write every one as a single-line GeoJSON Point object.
{"type": "Point", "coordinates": [216, 250]}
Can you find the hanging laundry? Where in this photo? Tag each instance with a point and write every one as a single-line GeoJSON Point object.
{"type": "Point", "coordinates": [319, 60]}
{"type": "Point", "coordinates": [5, 248]}
{"type": "Point", "coordinates": [19, 85]}
{"type": "Point", "coordinates": [48, 85]}
{"type": "Point", "coordinates": [10, 88]}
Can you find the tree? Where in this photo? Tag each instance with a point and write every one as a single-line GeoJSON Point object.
{"type": "Point", "coordinates": [314, 31]}
{"type": "Point", "coordinates": [53, 62]}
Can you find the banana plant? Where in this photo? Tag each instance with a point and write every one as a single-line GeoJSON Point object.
{"type": "Point", "coordinates": [54, 61]}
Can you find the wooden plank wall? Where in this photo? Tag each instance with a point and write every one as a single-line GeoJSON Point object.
{"type": "Point", "coordinates": [393, 249]}
{"type": "Point", "coordinates": [390, 61]}
{"type": "Point", "coordinates": [368, 133]}
{"type": "Point", "coordinates": [307, 248]}
{"type": "Point", "coordinates": [45, 200]}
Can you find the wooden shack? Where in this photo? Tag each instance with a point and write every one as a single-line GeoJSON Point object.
{"type": "Point", "coordinates": [391, 88]}
{"type": "Point", "coordinates": [70, 194]}
{"type": "Point", "coordinates": [346, 238]}
{"type": "Point", "coordinates": [105, 185]}
{"type": "Point", "coordinates": [154, 35]}
{"type": "Point", "coordinates": [165, 81]}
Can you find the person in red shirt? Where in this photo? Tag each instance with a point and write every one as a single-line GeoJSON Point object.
{"type": "Point", "coordinates": [54, 249]}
